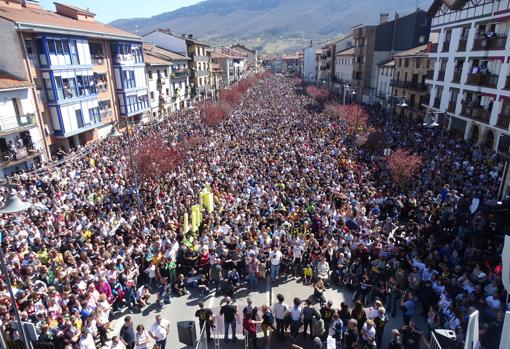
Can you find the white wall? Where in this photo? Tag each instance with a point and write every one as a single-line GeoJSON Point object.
{"type": "Point", "coordinates": [310, 65]}
{"type": "Point", "coordinates": [11, 54]}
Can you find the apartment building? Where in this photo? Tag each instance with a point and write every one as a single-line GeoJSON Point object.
{"type": "Point", "coordinates": [21, 142]}
{"type": "Point", "coordinates": [377, 44]}
{"type": "Point", "coordinates": [158, 70]}
{"type": "Point", "coordinates": [343, 69]}
{"type": "Point", "coordinates": [326, 64]}
{"type": "Point", "coordinates": [232, 63]}
{"type": "Point", "coordinates": [289, 63]}
{"type": "Point", "coordinates": [408, 84]}
{"type": "Point", "coordinates": [310, 64]}
{"type": "Point", "coordinates": [87, 75]}
{"type": "Point", "coordinates": [252, 62]}
{"type": "Point", "coordinates": [386, 71]}
{"type": "Point", "coordinates": [470, 84]}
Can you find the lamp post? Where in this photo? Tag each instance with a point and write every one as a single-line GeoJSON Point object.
{"type": "Point", "coordinates": [13, 204]}
{"type": "Point", "coordinates": [116, 134]}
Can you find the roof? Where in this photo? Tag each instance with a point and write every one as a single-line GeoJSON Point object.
{"type": "Point", "coordinates": [8, 82]}
{"type": "Point", "coordinates": [163, 53]}
{"type": "Point", "coordinates": [289, 57]}
{"type": "Point", "coordinates": [152, 59]}
{"type": "Point", "coordinates": [348, 52]}
{"type": "Point", "coordinates": [77, 9]}
{"type": "Point", "coordinates": [242, 47]}
{"type": "Point", "coordinates": [388, 63]}
{"type": "Point", "coordinates": [452, 5]}
{"type": "Point", "coordinates": [225, 52]}
{"type": "Point", "coordinates": [414, 52]}
{"type": "Point", "coordinates": [40, 20]}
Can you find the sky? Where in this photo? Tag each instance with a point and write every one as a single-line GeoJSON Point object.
{"type": "Point", "coordinates": [109, 10]}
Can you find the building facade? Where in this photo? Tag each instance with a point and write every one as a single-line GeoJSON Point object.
{"type": "Point", "coordinates": [21, 142]}
{"type": "Point", "coordinates": [469, 81]}
{"type": "Point", "coordinates": [158, 70]}
{"type": "Point", "coordinates": [310, 65]}
{"type": "Point", "coordinates": [343, 70]}
{"type": "Point", "coordinates": [326, 64]}
{"type": "Point", "coordinates": [252, 62]}
{"type": "Point", "coordinates": [87, 75]}
{"type": "Point", "coordinates": [232, 64]}
{"type": "Point", "coordinates": [385, 75]}
{"type": "Point", "coordinates": [409, 81]}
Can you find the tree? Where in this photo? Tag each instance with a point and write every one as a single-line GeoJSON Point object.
{"type": "Point", "coordinates": [403, 166]}
{"type": "Point", "coordinates": [213, 113]}
{"type": "Point", "coordinates": [154, 158]}
{"type": "Point", "coordinates": [319, 94]}
{"type": "Point", "coordinates": [231, 96]}
{"type": "Point", "coordinates": [353, 114]}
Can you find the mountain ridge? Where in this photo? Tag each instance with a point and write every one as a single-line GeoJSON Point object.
{"type": "Point", "coordinates": [273, 26]}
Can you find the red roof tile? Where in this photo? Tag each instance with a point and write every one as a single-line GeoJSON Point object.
{"type": "Point", "coordinates": [8, 81]}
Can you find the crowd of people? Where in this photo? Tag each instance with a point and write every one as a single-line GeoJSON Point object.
{"type": "Point", "coordinates": [293, 196]}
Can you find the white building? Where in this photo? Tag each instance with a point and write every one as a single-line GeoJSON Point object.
{"type": "Point", "coordinates": [385, 72]}
{"type": "Point", "coordinates": [310, 64]}
{"type": "Point", "coordinates": [158, 68]}
{"type": "Point", "coordinates": [343, 69]}
{"type": "Point", "coordinates": [470, 82]}
{"type": "Point", "coordinates": [20, 138]}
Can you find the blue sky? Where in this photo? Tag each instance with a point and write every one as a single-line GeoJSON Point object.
{"type": "Point", "coordinates": [109, 10]}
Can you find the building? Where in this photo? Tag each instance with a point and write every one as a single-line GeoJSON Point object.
{"type": "Point", "coordinates": [217, 76]}
{"type": "Point", "coordinates": [310, 64]}
{"type": "Point", "coordinates": [343, 70]}
{"type": "Point", "coordinates": [87, 75]}
{"type": "Point", "coordinates": [158, 69]}
{"type": "Point", "coordinates": [232, 64]}
{"type": "Point", "coordinates": [289, 63]}
{"type": "Point", "coordinates": [326, 64]}
{"type": "Point", "coordinates": [252, 63]}
{"type": "Point", "coordinates": [376, 44]}
{"type": "Point", "coordinates": [385, 74]}
{"type": "Point", "coordinates": [469, 80]}
{"type": "Point", "coordinates": [199, 64]}
{"type": "Point", "coordinates": [408, 84]}
{"type": "Point", "coordinates": [21, 142]}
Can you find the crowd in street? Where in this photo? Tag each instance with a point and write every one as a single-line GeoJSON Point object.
{"type": "Point", "coordinates": [293, 196]}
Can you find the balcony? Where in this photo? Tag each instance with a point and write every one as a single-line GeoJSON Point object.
{"type": "Point", "coordinates": [429, 75]}
{"type": "Point", "coordinates": [492, 43]}
{"type": "Point", "coordinates": [456, 77]}
{"type": "Point", "coordinates": [440, 75]}
{"type": "Point", "coordinates": [437, 102]}
{"type": "Point", "coordinates": [16, 124]}
{"type": "Point", "coordinates": [397, 83]}
{"type": "Point", "coordinates": [446, 46]}
{"type": "Point", "coordinates": [180, 74]}
{"type": "Point", "coordinates": [416, 86]}
{"type": "Point", "coordinates": [433, 48]}
{"type": "Point", "coordinates": [503, 121]}
{"type": "Point", "coordinates": [462, 45]}
{"type": "Point", "coordinates": [23, 154]}
{"type": "Point", "coordinates": [486, 80]}
{"type": "Point", "coordinates": [476, 113]}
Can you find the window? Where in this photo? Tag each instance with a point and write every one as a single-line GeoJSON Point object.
{"type": "Point", "coordinates": [65, 46]}
{"type": "Point", "coordinates": [59, 47]}
{"type": "Point", "coordinates": [94, 115]}
{"type": "Point", "coordinates": [86, 85]}
{"type": "Point", "coordinates": [406, 63]}
{"type": "Point", "coordinates": [48, 89]}
{"type": "Point", "coordinates": [51, 47]}
{"type": "Point", "coordinates": [152, 96]}
{"type": "Point", "coordinates": [75, 58]}
{"type": "Point", "coordinates": [150, 74]}
{"type": "Point", "coordinates": [79, 118]}
{"type": "Point", "coordinates": [168, 92]}
{"type": "Point", "coordinates": [29, 44]}
{"type": "Point", "coordinates": [15, 106]}
{"type": "Point", "coordinates": [129, 79]}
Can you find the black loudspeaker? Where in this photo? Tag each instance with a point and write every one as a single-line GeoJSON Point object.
{"type": "Point", "coordinates": [187, 332]}
{"type": "Point", "coordinates": [443, 339]}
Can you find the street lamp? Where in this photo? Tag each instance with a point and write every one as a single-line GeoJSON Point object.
{"type": "Point", "coordinates": [116, 134]}
{"type": "Point", "coordinates": [13, 204]}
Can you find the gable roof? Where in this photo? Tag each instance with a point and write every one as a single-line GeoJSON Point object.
{"type": "Point", "coordinates": [40, 20]}
{"type": "Point", "coordinates": [163, 53]}
{"type": "Point", "coordinates": [347, 52]}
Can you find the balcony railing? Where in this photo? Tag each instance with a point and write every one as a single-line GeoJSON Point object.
{"type": "Point", "coordinates": [487, 80]}
{"type": "Point", "coordinates": [14, 123]}
{"type": "Point", "coordinates": [446, 46]}
{"type": "Point", "coordinates": [21, 154]}
{"type": "Point", "coordinates": [429, 75]}
{"type": "Point", "coordinates": [492, 43]}
{"type": "Point", "coordinates": [440, 75]}
{"type": "Point", "coordinates": [180, 74]}
{"type": "Point", "coordinates": [476, 113]}
{"type": "Point", "coordinates": [503, 121]}
{"type": "Point", "coordinates": [437, 102]}
{"type": "Point", "coordinates": [433, 48]}
{"type": "Point", "coordinates": [462, 45]}
{"type": "Point", "coordinates": [456, 77]}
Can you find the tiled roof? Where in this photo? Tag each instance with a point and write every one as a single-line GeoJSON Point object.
{"type": "Point", "coordinates": [8, 81]}
{"type": "Point", "coordinates": [387, 63]}
{"type": "Point", "coordinates": [151, 59]}
{"type": "Point", "coordinates": [416, 51]}
{"type": "Point", "coordinates": [164, 54]}
{"type": "Point", "coordinates": [32, 18]}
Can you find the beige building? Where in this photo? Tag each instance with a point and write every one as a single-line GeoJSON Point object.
{"type": "Point", "coordinates": [409, 81]}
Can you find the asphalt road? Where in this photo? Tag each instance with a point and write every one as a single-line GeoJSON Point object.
{"type": "Point", "coordinates": [183, 309]}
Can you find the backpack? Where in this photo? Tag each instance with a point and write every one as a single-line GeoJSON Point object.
{"type": "Point", "coordinates": [270, 319]}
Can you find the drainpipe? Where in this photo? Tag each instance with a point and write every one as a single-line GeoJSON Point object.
{"type": "Point", "coordinates": [40, 120]}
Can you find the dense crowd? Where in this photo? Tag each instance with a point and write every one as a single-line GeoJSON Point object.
{"type": "Point", "coordinates": [293, 196]}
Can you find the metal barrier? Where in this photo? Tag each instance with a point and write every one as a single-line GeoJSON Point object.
{"type": "Point", "coordinates": [202, 339]}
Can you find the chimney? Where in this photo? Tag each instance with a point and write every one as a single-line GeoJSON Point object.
{"type": "Point", "coordinates": [383, 18]}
